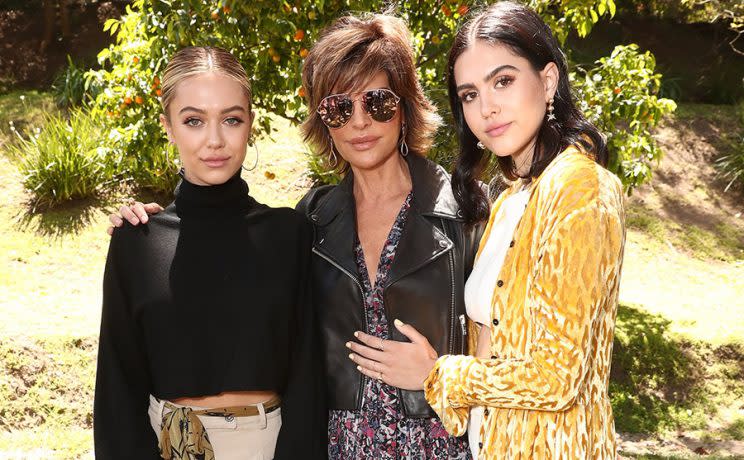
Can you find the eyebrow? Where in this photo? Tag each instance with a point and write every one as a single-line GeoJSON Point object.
{"type": "Point", "coordinates": [227, 110]}
{"type": "Point", "coordinates": [489, 76]}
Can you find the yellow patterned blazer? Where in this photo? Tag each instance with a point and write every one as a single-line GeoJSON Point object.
{"type": "Point", "coordinates": [553, 319]}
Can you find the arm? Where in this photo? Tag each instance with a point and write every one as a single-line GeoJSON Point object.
{"type": "Point", "coordinates": [121, 425]}
{"type": "Point", "coordinates": [575, 266]}
{"type": "Point", "coordinates": [304, 432]}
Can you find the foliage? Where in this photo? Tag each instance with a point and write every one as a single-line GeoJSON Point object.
{"type": "Point", "coordinates": [731, 164]}
{"type": "Point", "coordinates": [619, 96]}
{"type": "Point", "coordinates": [65, 160]}
{"type": "Point", "coordinates": [71, 88]}
{"type": "Point", "coordinates": [271, 41]}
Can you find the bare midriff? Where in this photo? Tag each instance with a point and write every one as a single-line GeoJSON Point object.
{"type": "Point", "coordinates": [227, 399]}
{"type": "Point", "coordinates": [483, 350]}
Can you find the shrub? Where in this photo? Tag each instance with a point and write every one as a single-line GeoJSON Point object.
{"type": "Point", "coordinates": [619, 95]}
{"type": "Point", "coordinates": [65, 160]}
{"type": "Point", "coordinates": [71, 88]}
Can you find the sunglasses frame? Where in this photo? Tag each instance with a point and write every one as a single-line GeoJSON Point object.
{"type": "Point", "coordinates": [361, 93]}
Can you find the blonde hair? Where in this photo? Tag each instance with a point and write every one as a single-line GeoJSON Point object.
{"type": "Point", "coordinates": [196, 60]}
{"type": "Point", "coordinates": [349, 53]}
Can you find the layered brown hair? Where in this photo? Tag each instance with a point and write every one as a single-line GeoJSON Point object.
{"type": "Point", "coordinates": [349, 53]}
{"type": "Point", "coordinates": [196, 60]}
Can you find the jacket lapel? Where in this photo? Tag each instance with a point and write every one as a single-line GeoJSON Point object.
{"type": "Point", "coordinates": [422, 241]}
{"type": "Point", "coordinates": [335, 227]}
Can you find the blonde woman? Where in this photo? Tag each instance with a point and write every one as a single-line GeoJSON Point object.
{"type": "Point", "coordinates": [207, 346]}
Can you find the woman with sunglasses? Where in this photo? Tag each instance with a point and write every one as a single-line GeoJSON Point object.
{"type": "Point", "coordinates": [390, 246]}
{"type": "Point", "coordinates": [208, 340]}
{"type": "Point", "coordinates": [543, 294]}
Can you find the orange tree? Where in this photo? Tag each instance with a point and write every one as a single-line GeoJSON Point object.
{"type": "Point", "coordinates": [272, 37]}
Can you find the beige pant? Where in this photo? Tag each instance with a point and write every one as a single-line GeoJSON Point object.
{"type": "Point", "coordinates": [232, 438]}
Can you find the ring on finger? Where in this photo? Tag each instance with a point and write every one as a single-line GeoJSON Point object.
{"type": "Point", "coordinates": [382, 344]}
{"type": "Point", "coordinates": [379, 377]}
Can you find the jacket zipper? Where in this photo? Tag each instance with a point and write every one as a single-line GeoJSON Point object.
{"type": "Point", "coordinates": [464, 327]}
{"type": "Point", "coordinates": [360, 395]}
{"type": "Point", "coordinates": [452, 293]}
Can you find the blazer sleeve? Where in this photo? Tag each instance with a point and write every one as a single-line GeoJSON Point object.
{"type": "Point", "coordinates": [304, 431]}
{"type": "Point", "coordinates": [578, 260]}
{"type": "Point", "coordinates": [121, 426]}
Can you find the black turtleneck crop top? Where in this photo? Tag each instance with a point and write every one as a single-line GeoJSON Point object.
{"type": "Point", "coordinates": [211, 295]}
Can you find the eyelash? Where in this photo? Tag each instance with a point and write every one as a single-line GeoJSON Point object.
{"type": "Point", "coordinates": [501, 82]}
{"type": "Point", "coordinates": [188, 121]}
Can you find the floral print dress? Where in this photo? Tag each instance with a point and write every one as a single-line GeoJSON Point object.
{"type": "Point", "coordinates": [380, 430]}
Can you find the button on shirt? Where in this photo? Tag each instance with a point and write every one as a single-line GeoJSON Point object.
{"type": "Point", "coordinates": [483, 280]}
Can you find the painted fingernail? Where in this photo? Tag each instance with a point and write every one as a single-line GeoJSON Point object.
{"type": "Point", "coordinates": [351, 356]}
{"type": "Point", "coordinates": [359, 368]}
{"type": "Point", "coordinates": [356, 333]}
{"type": "Point", "coordinates": [398, 322]}
{"type": "Point", "coordinates": [348, 344]}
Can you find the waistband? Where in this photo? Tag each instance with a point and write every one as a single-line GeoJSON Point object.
{"type": "Point", "coordinates": [183, 435]}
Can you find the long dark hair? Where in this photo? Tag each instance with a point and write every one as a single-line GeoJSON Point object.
{"type": "Point", "coordinates": [521, 30]}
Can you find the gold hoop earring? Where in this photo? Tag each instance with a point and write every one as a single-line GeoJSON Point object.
{"type": "Point", "coordinates": [255, 163]}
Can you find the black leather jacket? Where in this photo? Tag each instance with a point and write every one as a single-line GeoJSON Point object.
{"type": "Point", "coordinates": [425, 286]}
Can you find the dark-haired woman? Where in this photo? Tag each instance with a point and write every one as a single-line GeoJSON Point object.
{"type": "Point", "coordinates": [542, 297]}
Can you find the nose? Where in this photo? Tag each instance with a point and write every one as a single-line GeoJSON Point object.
{"type": "Point", "coordinates": [360, 119]}
{"type": "Point", "coordinates": [489, 104]}
{"type": "Point", "coordinates": [215, 139]}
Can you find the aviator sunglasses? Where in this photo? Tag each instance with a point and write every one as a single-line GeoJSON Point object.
{"type": "Point", "coordinates": [336, 110]}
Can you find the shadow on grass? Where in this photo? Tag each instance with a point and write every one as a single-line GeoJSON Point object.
{"type": "Point", "coordinates": [657, 379]}
{"type": "Point", "coordinates": [67, 218]}
{"type": "Point", "coordinates": [72, 217]}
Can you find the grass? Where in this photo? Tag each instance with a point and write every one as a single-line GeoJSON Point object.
{"type": "Point", "coordinates": [678, 360]}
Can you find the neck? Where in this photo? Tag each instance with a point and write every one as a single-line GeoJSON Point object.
{"type": "Point", "coordinates": [388, 180]}
{"type": "Point", "coordinates": [523, 158]}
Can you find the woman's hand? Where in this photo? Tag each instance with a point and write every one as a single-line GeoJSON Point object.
{"type": "Point", "coordinates": [400, 364]}
{"type": "Point", "coordinates": [135, 212]}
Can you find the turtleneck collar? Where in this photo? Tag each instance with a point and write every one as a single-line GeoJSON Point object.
{"type": "Point", "coordinates": [221, 200]}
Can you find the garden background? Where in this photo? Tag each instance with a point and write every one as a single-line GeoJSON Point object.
{"type": "Point", "coordinates": [79, 81]}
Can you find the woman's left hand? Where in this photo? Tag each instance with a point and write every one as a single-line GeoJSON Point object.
{"type": "Point", "coordinates": [400, 364]}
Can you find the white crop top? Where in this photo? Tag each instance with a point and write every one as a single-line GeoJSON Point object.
{"type": "Point", "coordinates": [480, 285]}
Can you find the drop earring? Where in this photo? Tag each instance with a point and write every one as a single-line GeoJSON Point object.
{"type": "Point", "coordinates": [551, 110]}
{"type": "Point", "coordinates": [480, 145]}
{"type": "Point", "coordinates": [403, 146]}
{"type": "Point", "coordinates": [332, 159]}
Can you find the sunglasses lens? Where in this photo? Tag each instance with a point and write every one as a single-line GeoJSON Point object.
{"type": "Point", "coordinates": [380, 104]}
{"type": "Point", "coordinates": [335, 111]}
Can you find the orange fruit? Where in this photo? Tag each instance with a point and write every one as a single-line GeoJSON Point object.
{"type": "Point", "coordinates": [446, 10]}
{"type": "Point", "coordinates": [226, 9]}
{"type": "Point", "coordinates": [301, 91]}
{"type": "Point", "coordinates": [299, 35]}
{"type": "Point", "coordinates": [139, 100]}
{"type": "Point", "coordinates": [272, 51]}
{"type": "Point", "coordinates": [276, 58]}
{"type": "Point", "coordinates": [135, 60]}
{"type": "Point", "coordinates": [303, 53]}
{"type": "Point", "coordinates": [127, 100]}
{"type": "Point", "coordinates": [617, 90]}
{"type": "Point", "coordinates": [216, 14]}
{"type": "Point", "coordinates": [156, 81]}
{"type": "Point", "coordinates": [463, 10]}
{"type": "Point", "coordinates": [158, 92]}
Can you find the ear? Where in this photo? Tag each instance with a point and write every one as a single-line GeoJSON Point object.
{"type": "Point", "coordinates": [168, 128]}
{"type": "Point", "coordinates": [550, 77]}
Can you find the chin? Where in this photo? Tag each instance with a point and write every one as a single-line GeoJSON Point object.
{"type": "Point", "coordinates": [214, 176]}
